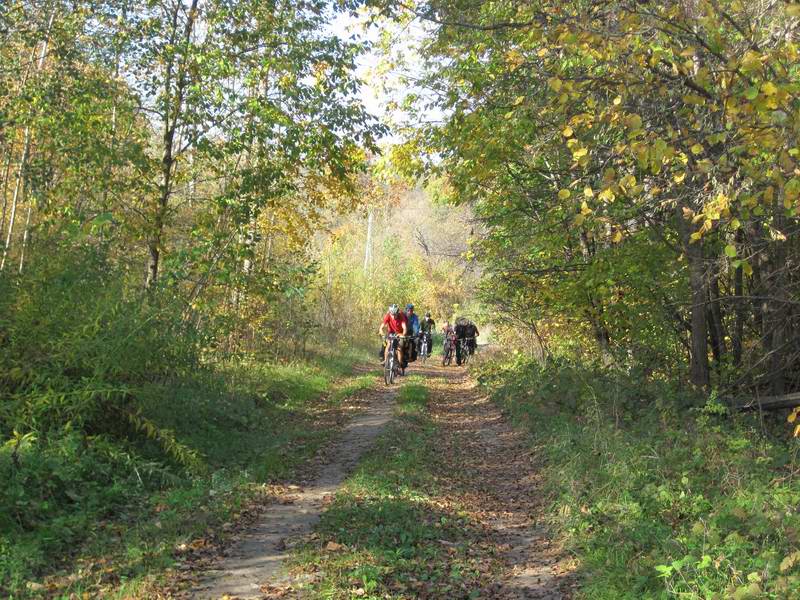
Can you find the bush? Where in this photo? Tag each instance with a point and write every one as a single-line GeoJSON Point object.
{"type": "Point", "coordinates": [76, 347]}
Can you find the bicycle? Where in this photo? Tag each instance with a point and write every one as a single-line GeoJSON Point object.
{"type": "Point", "coordinates": [464, 342]}
{"type": "Point", "coordinates": [391, 365]}
{"type": "Point", "coordinates": [449, 350]}
{"type": "Point", "coordinates": [423, 347]}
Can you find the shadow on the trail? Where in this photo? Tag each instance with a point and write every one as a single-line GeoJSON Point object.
{"type": "Point", "coordinates": [389, 529]}
{"type": "Point", "coordinates": [434, 369]}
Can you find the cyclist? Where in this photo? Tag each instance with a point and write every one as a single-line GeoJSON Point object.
{"type": "Point", "coordinates": [427, 327]}
{"type": "Point", "coordinates": [465, 329]}
{"type": "Point", "coordinates": [395, 322]}
{"type": "Point", "coordinates": [413, 330]}
{"type": "Point", "coordinates": [449, 337]}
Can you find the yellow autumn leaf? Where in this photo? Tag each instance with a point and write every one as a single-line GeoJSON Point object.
{"type": "Point", "coordinates": [555, 83]}
{"type": "Point", "coordinates": [607, 195]}
{"type": "Point", "coordinates": [797, 431]}
{"type": "Point", "coordinates": [585, 210]}
{"type": "Point", "coordinates": [704, 166]}
{"type": "Point", "coordinates": [563, 194]}
{"type": "Point", "coordinates": [697, 149]}
{"type": "Point", "coordinates": [751, 60]}
{"type": "Point", "coordinates": [579, 219]}
{"type": "Point", "coordinates": [694, 99]}
{"type": "Point", "coordinates": [567, 132]}
{"type": "Point", "coordinates": [792, 417]}
{"type": "Point", "coordinates": [579, 153]}
{"type": "Point", "coordinates": [634, 122]}
{"type": "Point", "coordinates": [514, 58]}
{"type": "Point", "coordinates": [679, 177]}
{"type": "Point", "coordinates": [769, 89]}
{"type": "Point", "coordinates": [588, 192]}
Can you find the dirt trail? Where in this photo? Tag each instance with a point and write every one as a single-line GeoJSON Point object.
{"type": "Point", "coordinates": [255, 561]}
{"type": "Point", "coordinates": [487, 467]}
{"type": "Point", "coordinates": [494, 474]}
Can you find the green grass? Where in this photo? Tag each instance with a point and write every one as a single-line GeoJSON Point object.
{"type": "Point", "coordinates": [355, 385]}
{"type": "Point", "coordinates": [412, 399]}
{"type": "Point", "coordinates": [387, 534]}
{"type": "Point", "coordinates": [658, 500]}
{"type": "Point", "coordinates": [120, 512]}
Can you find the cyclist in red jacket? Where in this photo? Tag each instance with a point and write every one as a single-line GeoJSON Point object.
{"type": "Point", "coordinates": [395, 321]}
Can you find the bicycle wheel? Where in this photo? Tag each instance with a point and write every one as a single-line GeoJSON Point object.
{"type": "Point", "coordinates": [448, 356]}
{"type": "Point", "coordinates": [388, 368]}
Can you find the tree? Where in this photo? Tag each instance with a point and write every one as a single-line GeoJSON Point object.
{"type": "Point", "coordinates": [621, 133]}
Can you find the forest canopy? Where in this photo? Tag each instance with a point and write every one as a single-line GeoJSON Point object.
{"type": "Point", "coordinates": [635, 165]}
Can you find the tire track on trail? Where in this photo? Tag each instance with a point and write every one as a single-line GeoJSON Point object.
{"type": "Point", "coordinates": [493, 472]}
{"type": "Point", "coordinates": [255, 561]}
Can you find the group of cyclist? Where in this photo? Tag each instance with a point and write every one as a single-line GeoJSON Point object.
{"type": "Point", "coordinates": [414, 335]}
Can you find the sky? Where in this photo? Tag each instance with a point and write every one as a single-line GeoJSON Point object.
{"type": "Point", "coordinates": [381, 86]}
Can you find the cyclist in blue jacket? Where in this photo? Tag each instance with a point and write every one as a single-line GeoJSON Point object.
{"type": "Point", "coordinates": [413, 329]}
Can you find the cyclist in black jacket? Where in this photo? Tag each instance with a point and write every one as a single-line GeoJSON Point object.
{"type": "Point", "coordinates": [426, 327]}
{"type": "Point", "coordinates": [465, 329]}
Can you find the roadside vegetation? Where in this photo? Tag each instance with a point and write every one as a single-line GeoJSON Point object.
{"type": "Point", "coordinates": [111, 510]}
{"type": "Point", "coordinates": [657, 494]}
{"type": "Point", "coordinates": [633, 172]}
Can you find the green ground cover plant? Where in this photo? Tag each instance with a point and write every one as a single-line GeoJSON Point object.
{"type": "Point", "coordinates": [112, 459]}
{"type": "Point", "coordinates": [657, 493]}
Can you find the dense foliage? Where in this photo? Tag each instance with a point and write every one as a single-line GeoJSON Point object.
{"type": "Point", "coordinates": [635, 165]}
{"type": "Point", "coordinates": [164, 169]}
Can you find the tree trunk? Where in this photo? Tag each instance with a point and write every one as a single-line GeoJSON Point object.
{"type": "Point", "coordinates": [777, 315]}
{"type": "Point", "coordinates": [25, 236]}
{"type": "Point", "coordinates": [716, 327]}
{"type": "Point", "coordinates": [6, 177]}
{"type": "Point", "coordinates": [26, 145]}
{"type": "Point", "coordinates": [698, 366]}
{"type": "Point", "coordinates": [738, 292]}
{"type": "Point", "coordinates": [171, 119]}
